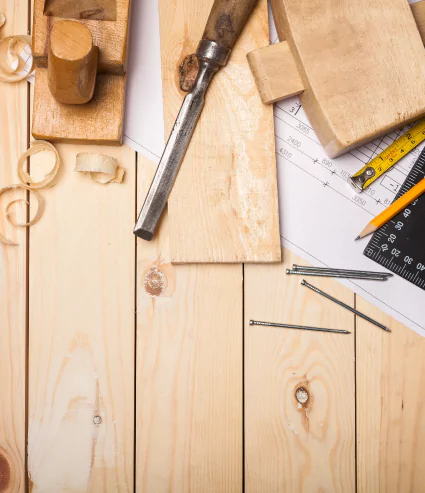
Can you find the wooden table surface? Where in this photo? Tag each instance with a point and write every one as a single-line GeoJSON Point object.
{"type": "Point", "coordinates": [106, 388]}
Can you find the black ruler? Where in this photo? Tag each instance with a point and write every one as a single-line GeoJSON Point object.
{"type": "Point", "coordinates": [400, 244]}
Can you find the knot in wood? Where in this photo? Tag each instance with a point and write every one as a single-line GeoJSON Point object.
{"type": "Point", "coordinates": [155, 281]}
{"type": "Point", "coordinates": [301, 394]}
{"type": "Point", "coordinates": [188, 72]}
{"type": "Point", "coordinates": [4, 473]}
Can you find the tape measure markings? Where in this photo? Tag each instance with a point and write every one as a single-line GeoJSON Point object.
{"type": "Point", "coordinates": [400, 244]}
{"type": "Point", "coordinates": [388, 157]}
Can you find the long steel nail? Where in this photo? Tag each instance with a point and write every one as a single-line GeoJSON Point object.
{"type": "Point", "coordinates": [340, 303]}
{"type": "Point", "coordinates": [349, 271]}
{"type": "Point", "coordinates": [340, 275]}
{"type": "Point", "coordinates": [301, 327]}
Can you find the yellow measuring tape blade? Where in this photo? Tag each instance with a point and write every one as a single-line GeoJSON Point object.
{"type": "Point", "coordinates": [389, 157]}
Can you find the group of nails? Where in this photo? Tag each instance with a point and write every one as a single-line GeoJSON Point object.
{"type": "Point", "coordinates": [328, 272]}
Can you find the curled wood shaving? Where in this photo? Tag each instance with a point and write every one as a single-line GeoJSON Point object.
{"type": "Point", "coordinates": [50, 177]}
{"type": "Point", "coordinates": [16, 60]}
{"type": "Point", "coordinates": [101, 168]}
{"type": "Point", "coordinates": [37, 215]}
{"type": "Point", "coordinates": [2, 19]}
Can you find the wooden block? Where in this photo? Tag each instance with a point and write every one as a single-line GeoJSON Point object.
{"type": "Point", "coordinates": [292, 445]}
{"type": "Point", "coordinates": [82, 326]}
{"type": "Point", "coordinates": [110, 37]}
{"type": "Point", "coordinates": [99, 121]}
{"type": "Point", "coordinates": [223, 207]}
{"type": "Point", "coordinates": [189, 369]}
{"type": "Point", "coordinates": [418, 11]}
{"type": "Point", "coordinates": [13, 273]}
{"type": "Point", "coordinates": [275, 72]}
{"type": "Point", "coordinates": [363, 68]}
{"type": "Point", "coordinates": [390, 403]}
{"type": "Point", "coordinates": [73, 60]}
{"type": "Point", "coordinates": [103, 10]}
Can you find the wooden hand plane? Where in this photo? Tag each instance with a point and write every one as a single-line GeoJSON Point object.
{"type": "Point", "coordinates": [358, 66]}
{"type": "Point", "coordinates": [80, 51]}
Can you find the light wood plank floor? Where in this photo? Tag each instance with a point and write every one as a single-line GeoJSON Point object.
{"type": "Point", "coordinates": [107, 388]}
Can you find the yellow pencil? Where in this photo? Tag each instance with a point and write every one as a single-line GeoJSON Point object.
{"type": "Point", "coordinates": [394, 209]}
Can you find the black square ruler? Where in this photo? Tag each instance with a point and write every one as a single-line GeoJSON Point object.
{"type": "Point", "coordinates": [400, 244]}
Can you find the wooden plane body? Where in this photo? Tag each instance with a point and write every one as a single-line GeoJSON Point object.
{"type": "Point", "coordinates": [358, 66]}
{"type": "Point", "coordinates": [79, 91]}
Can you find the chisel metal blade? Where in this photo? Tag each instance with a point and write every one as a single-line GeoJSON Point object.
{"type": "Point", "coordinates": [174, 152]}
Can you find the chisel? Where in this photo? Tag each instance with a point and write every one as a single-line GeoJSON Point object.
{"type": "Point", "coordinates": [225, 22]}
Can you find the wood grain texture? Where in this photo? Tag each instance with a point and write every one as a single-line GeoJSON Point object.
{"type": "Point", "coordinates": [110, 37]}
{"type": "Point", "coordinates": [275, 72]}
{"type": "Point", "coordinates": [13, 279]}
{"type": "Point", "coordinates": [73, 59]}
{"type": "Point", "coordinates": [390, 402]}
{"type": "Point", "coordinates": [289, 446]}
{"type": "Point", "coordinates": [189, 369]}
{"type": "Point", "coordinates": [100, 121]}
{"type": "Point", "coordinates": [418, 11]}
{"type": "Point", "coordinates": [81, 345]}
{"type": "Point", "coordinates": [363, 68]}
{"type": "Point", "coordinates": [104, 10]}
{"type": "Point", "coordinates": [223, 207]}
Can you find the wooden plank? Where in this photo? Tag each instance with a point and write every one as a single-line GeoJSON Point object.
{"type": "Point", "coordinates": [223, 207]}
{"type": "Point", "coordinates": [275, 72]}
{"type": "Point", "coordinates": [368, 63]}
{"type": "Point", "coordinates": [291, 446]}
{"type": "Point", "coordinates": [390, 402]}
{"type": "Point", "coordinates": [82, 323]}
{"type": "Point", "coordinates": [189, 369]}
{"type": "Point", "coordinates": [13, 279]}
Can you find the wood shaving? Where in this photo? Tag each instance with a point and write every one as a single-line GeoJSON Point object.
{"type": "Point", "coordinates": [49, 179]}
{"type": "Point", "coordinates": [2, 19]}
{"type": "Point", "coordinates": [15, 54]}
{"type": "Point", "coordinates": [101, 168]}
{"type": "Point", "coordinates": [37, 215]}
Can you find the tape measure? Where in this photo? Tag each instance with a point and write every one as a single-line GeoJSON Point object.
{"type": "Point", "coordinates": [400, 244]}
{"type": "Point", "coordinates": [389, 157]}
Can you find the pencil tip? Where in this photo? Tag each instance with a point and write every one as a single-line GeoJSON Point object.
{"type": "Point", "coordinates": [358, 238]}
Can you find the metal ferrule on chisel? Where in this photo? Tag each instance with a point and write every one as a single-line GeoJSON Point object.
{"type": "Point", "coordinates": [212, 56]}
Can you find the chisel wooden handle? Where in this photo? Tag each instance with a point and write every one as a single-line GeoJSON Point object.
{"type": "Point", "coordinates": [226, 21]}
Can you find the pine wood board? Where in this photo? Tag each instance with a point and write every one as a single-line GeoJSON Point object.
{"type": "Point", "coordinates": [390, 401]}
{"type": "Point", "coordinates": [223, 207]}
{"type": "Point", "coordinates": [82, 323]}
{"type": "Point", "coordinates": [291, 446]}
{"type": "Point", "coordinates": [13, 262]}
{"type": "Point", "coordinates": [189, 369]}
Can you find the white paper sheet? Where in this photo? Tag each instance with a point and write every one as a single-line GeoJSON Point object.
{"type": "Point", "coordinates": [144, 121]}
